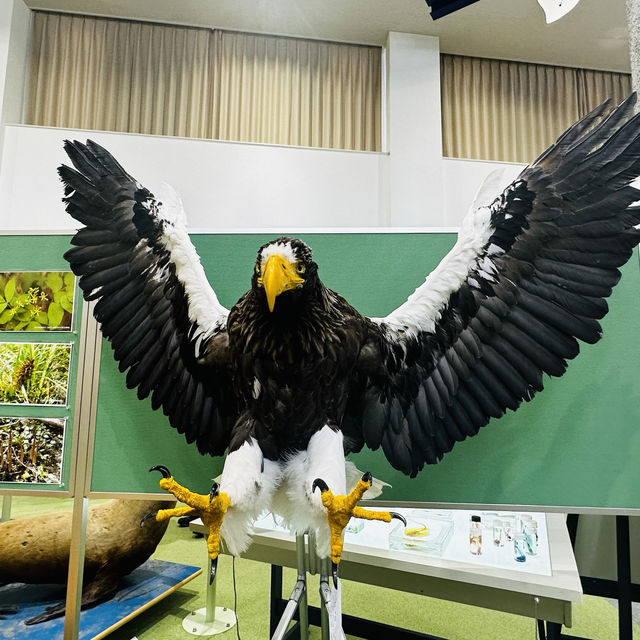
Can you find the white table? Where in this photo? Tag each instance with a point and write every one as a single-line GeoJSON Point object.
{"type": "Point", "coordinates": [547, 595]}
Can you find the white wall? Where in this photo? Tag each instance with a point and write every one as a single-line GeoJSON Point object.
{"type": "Point", "coordinates": [223, 185]}
{"type": "Point", "coordinates": [461, 179]}
{"type": "Point", "coordinates": [228, 185]}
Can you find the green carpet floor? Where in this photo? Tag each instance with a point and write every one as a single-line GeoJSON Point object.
{"type": "Point", "coordinates": [594, 618]}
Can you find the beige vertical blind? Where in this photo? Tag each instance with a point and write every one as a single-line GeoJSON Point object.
{"type": "Point", "coordinates": [512, 111]}
{"type": "Point", "coordinates": [116, 75]}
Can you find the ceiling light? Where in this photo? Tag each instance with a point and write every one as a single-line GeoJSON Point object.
{"type": "Point", "coordinates": [441, 8]}
{"type": "Point", "coordinates": [555, 9]}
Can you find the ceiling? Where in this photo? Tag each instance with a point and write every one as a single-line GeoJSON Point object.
{"type": "Point", "coordinates": [593, 35]}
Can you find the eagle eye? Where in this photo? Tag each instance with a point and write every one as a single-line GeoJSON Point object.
{"type": "Point", "coordinates": [300, 268]}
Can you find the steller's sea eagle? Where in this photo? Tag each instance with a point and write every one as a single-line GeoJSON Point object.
{"type": "Point", "coordinates": [292, 377]}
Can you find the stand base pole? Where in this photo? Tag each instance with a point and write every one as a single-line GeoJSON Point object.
{"type": "Point", "coordinates": [6, 508]}
{"type": "Point", "coordinates": [196, 625]}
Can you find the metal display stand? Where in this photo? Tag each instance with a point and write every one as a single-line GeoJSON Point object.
{"type": "Point", "coordinates": [297, 607]}
{"type": "Point", "coordinates": [318, 617]}
{"type": "Point", "coordinates": [297, 600]}
{"type": "Point", "coordinates": [210, 620]}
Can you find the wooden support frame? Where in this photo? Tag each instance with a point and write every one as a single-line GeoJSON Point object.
{"type": "Point", "coordinates": [84, 419]}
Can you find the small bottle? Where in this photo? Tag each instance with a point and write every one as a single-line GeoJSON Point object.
{"type": "Point", "coordinates": [475, 536]}
{"type": "Point", "coordinates": [509, 526]}
{"type": "Point", "coordinates": [525, 519]}
{"type": "Point", "coordinates": [498, 533]}
{"type": "Point", "coordinates": [531, 538]}
{"type": "Point", "coordinates": [519, 547]}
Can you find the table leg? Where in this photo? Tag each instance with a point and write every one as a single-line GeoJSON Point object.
{"type": "Point", "coordinates": [554, 631]}
{"type": "Point", "coordinates": [623, 553]}
{"type": "Point", "coordinates": [276, 596]}
{"type": "Point", "coordinates": [542, 634]}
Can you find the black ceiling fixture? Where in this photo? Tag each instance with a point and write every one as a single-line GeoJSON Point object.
{"type": "Point", "coordinates": [441, 8]}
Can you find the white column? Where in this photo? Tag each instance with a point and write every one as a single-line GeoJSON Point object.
{"type": "Point", "coordinates": [414, 131]}
{"type": "Point", "coordinates": [15, 20]}
{"type": "Point", "coordinates": [633, 27]}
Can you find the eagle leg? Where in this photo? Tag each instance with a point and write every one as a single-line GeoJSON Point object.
{"type": "Point", "coordinates": [340, 509]}
{"type": "Point", "coordinates": [210, 508]}
{"type": "Point", "coordinates": [165, 514]}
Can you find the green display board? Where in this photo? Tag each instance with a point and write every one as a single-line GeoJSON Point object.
{"type": "Point", "coordinates": [39, 253]}
{"type": "Point", "coordinates": [577, 444]}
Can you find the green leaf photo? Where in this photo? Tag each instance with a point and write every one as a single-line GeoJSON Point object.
{"type": "Point", "coordinates": [36, 300]}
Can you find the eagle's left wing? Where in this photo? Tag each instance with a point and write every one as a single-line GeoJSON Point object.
{"type": "Point", "coordinates": [526, 280]}
{"type": "Point", "coordinates": [168, 330]}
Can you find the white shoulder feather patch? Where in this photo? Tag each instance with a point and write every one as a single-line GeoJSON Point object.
{"type": "Point", "coordinates": [205, 309]}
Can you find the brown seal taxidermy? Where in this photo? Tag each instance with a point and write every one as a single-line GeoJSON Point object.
{"type": "Point", "coordinates": [35, 550]}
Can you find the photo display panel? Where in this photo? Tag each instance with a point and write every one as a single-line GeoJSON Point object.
{"type": "Point", "coordinates": [40, 313]}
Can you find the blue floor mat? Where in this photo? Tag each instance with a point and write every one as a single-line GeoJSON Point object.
{"type": "Point", "coordinates": [153, 580]}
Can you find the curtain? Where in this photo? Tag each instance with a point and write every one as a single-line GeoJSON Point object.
{"type": "Point", "coordinates": [512, 111]}
{"type": "Point", "coordinates": [113, 75]}
{"type": "Point", "coordinates": [117, 75]}
{"type": "Point", "coordinates": [298, 92]}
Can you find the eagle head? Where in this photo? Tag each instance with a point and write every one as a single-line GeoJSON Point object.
{"type": "Point", "coordinates": [284, 266]}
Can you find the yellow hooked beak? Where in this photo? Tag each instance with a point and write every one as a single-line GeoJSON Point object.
{"type": "Point", "coordinates": [278, 275]}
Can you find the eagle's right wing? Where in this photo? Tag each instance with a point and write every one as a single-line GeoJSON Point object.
{"type": "Point", "coordinates": [527, 279]}
{"type": "Point", "coordinates": [154, 303]}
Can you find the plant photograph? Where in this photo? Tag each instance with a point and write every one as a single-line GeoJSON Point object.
{"type": "Point", "coordinates": [36, 300]}
{"type": "Point", "coordinates": [31, 449]}
{"type": "Point", "coordinates": [34, 373]}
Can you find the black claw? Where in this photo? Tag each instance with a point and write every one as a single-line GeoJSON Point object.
{"type": "Point", "coordinates": [213, 492]}
{"type": "Point", "coordinates": [399, 516]}
{"type": "Point", "coordinates": [334, 573]}
{"type": "Point", "coordinates": [153, 514]}
{"type": "Point", "coordinates": [162, 469]}
{"type": "Point", "coordinates": [367, 477]}
{"type": "Point", "coordinates": [212, 572]}
{"type": "Point", "coordinates": [321, 484]}
{"type": "Point", "coordinates": [184, 521]}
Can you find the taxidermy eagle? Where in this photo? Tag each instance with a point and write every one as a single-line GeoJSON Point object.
{"type": "Point", "coordinates": [292, 378]}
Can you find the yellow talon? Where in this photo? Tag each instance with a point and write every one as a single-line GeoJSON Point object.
{"type": "Point", "coordinates": [340, 509]}
{"type": "Point", "coordinates": [209, 508]}
{"type": "Point", "coordinates": [178, 512]}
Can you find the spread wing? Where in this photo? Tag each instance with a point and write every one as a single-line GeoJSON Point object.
{"type": "Point", "coordinates": [134, 257]}
{"type": "Point", "coordinates": [526, 281]}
